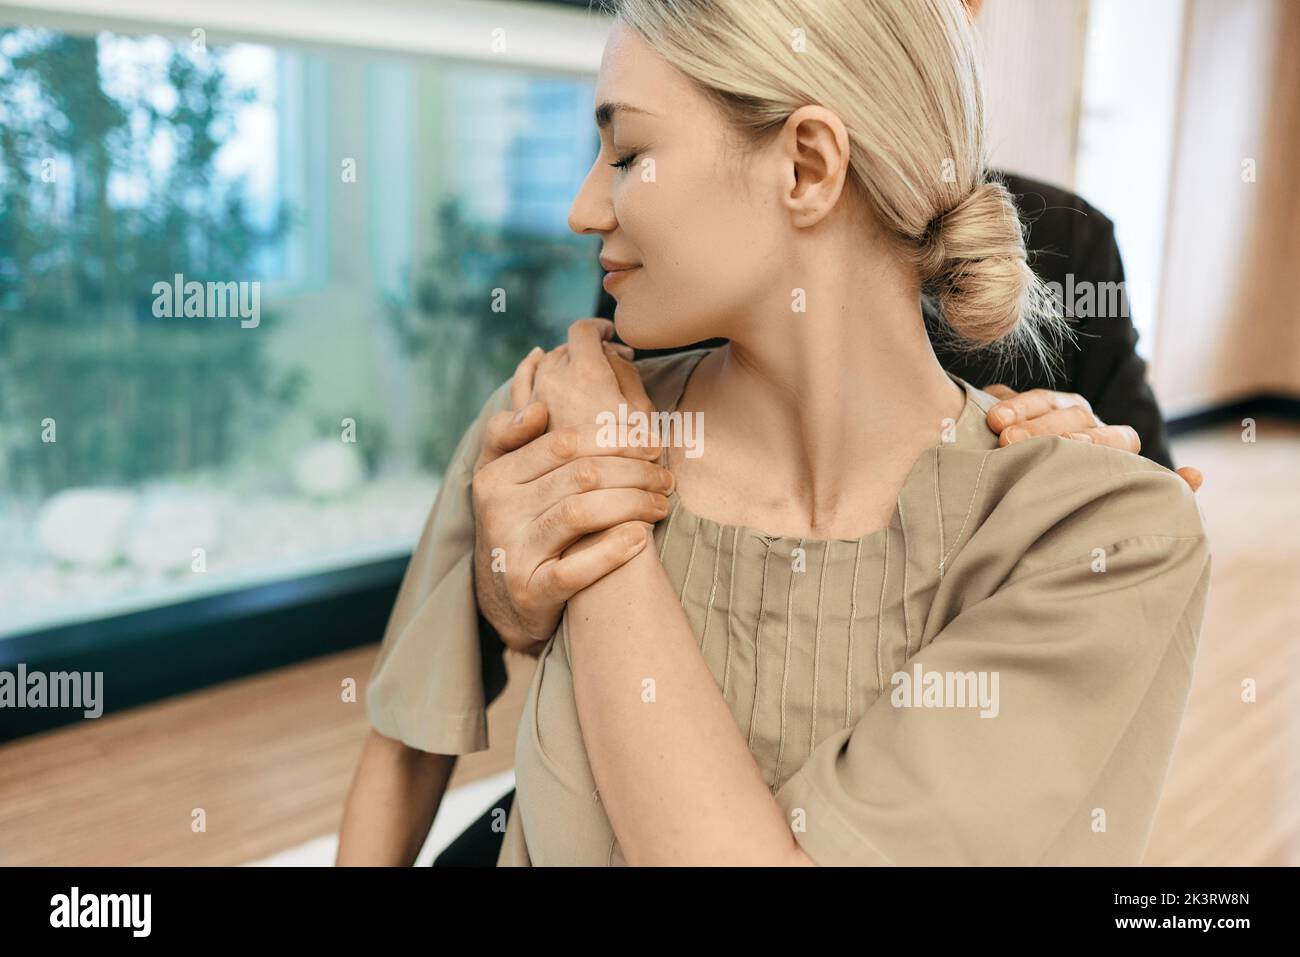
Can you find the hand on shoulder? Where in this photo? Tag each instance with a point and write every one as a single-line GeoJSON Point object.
{"type": "Point", "coordinates": [1024, 415]}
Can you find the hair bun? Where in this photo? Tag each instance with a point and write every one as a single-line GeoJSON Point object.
{"type": "Point", "coordinates": [973, 259]}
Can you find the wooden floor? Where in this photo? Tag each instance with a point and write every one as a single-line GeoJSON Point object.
{"type": "Point", "coordinates": [1233, 792]}
{"type": "Point", "coordinates": [269, 759]}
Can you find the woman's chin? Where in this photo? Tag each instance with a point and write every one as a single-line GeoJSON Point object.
{"type": "Point", "coordinates": [638, 335]}
{"type": "Point", "coordinates": [645, 333]}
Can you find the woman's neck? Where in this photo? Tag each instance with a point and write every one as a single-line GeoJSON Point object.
{"type": "Point", "coordinates": [812, 420]}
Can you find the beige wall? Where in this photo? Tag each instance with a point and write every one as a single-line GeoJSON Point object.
{"type": "Point", "coordinates": [1033, 48]}
{"type": "Point", "coordinates": [1228, 321]}
{"type": "Point", "coordinates": [1229, 315]}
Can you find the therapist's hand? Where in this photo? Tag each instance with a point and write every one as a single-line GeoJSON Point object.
{"type": "Point", "coordinates": [1023, 415]}
{"type": "Point", "coordinates": [585, 378]}
{"type": "Point", "coordinates": [536, 493]}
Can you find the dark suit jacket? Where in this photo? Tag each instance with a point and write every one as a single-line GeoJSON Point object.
{"type": "Point", "coordinates": [1065, 236]}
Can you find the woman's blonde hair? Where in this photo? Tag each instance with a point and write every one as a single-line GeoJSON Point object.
{"type": "Point", "coordinates": [904, 77]}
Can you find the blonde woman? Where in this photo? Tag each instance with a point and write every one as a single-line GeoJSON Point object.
{"type": "Point", "coordinates": [845, 627]}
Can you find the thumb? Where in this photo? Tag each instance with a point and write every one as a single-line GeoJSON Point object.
{"type": "Point", "coordinates": [510, 430]}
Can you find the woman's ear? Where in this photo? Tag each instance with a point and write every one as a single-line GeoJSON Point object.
{"type": "Point", "coordinates": [815, 147]}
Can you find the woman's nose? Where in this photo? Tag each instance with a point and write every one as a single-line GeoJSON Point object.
{"type": "Point", "coordinates": [592, 211]}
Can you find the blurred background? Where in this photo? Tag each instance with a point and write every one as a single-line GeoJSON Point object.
{"type": "Point", "coordinates": [378, 196]}
{"type": "Point", "coordinates": [381, 168]}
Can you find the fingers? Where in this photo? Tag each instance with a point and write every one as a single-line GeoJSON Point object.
{"type": "Point", "coordinates": [1058, 422]}
{"type": "Point", "coordinates": [620, 350]}
{"type": "Point", "coordinates": [509, 430]}
{"type": "Point", "coordinates": [1116, 436]}
{"type": "Point", "coordinates": [521, 384]}
{"type": "Point", "coordinates": [577, 515]}
{"type": "Point", "coordinates": [560, 352]}
{"type": "Point", "coordinates": [1000, 391]}
{"type": "Point", "coordinates": [1027, 406]}
{"type": "Point", "coordinates": [597, 472]}
{"type": "Point", "coordinates": [586, 337]}
{"type": "Point", "coordinates": [630, 384]}
{"type": "Point", "coordinates": [563, 578]}
{"type": "Point", "coordinates": [550, 363]}
{"type": "Point", "coordinates": [564, 445]}
{"type": "Point", "coordinates": [1192, 476]}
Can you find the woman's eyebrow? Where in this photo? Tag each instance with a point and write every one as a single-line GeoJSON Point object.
{"type": "Point", "coordinates": [605, 112]}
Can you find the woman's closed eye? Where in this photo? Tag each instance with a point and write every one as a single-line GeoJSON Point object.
{"type": "Point", "coordinates": [624, 161]}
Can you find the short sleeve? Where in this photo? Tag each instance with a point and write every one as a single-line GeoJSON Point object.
{"type": "Point", "coordinates": [440, 665]}
{"type": "Point", "coordinates": [1075, 672]}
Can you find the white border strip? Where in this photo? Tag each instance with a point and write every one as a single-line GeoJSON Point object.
{"type": "Point", "coordinates": [549, 37]}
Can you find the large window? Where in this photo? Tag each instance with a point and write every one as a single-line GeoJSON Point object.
{"type": "Point", "coordinates": [250, 297]}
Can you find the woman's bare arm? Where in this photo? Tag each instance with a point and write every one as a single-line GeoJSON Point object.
{"type": "Point", "coordinates": [394, 796]}
{"type": "Point", "coordinates": [674, 773]}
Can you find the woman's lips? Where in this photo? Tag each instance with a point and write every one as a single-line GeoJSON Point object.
{"type": "Point", "coordinates": [617, 275]}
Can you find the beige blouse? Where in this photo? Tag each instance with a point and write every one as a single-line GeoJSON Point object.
{"type": "Point", "coordinates": [996, 677]}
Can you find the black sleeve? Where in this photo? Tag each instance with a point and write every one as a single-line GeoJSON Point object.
{"type": "Point", "coordinates": [1107, 370]}
{"type": "Point", "coordinates": [492, 649]}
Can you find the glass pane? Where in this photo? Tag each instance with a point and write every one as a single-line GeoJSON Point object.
{"type": "Point", "coordinates": [1126, 138]}
{"type": "Point", "coordinates": [250, 298]}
